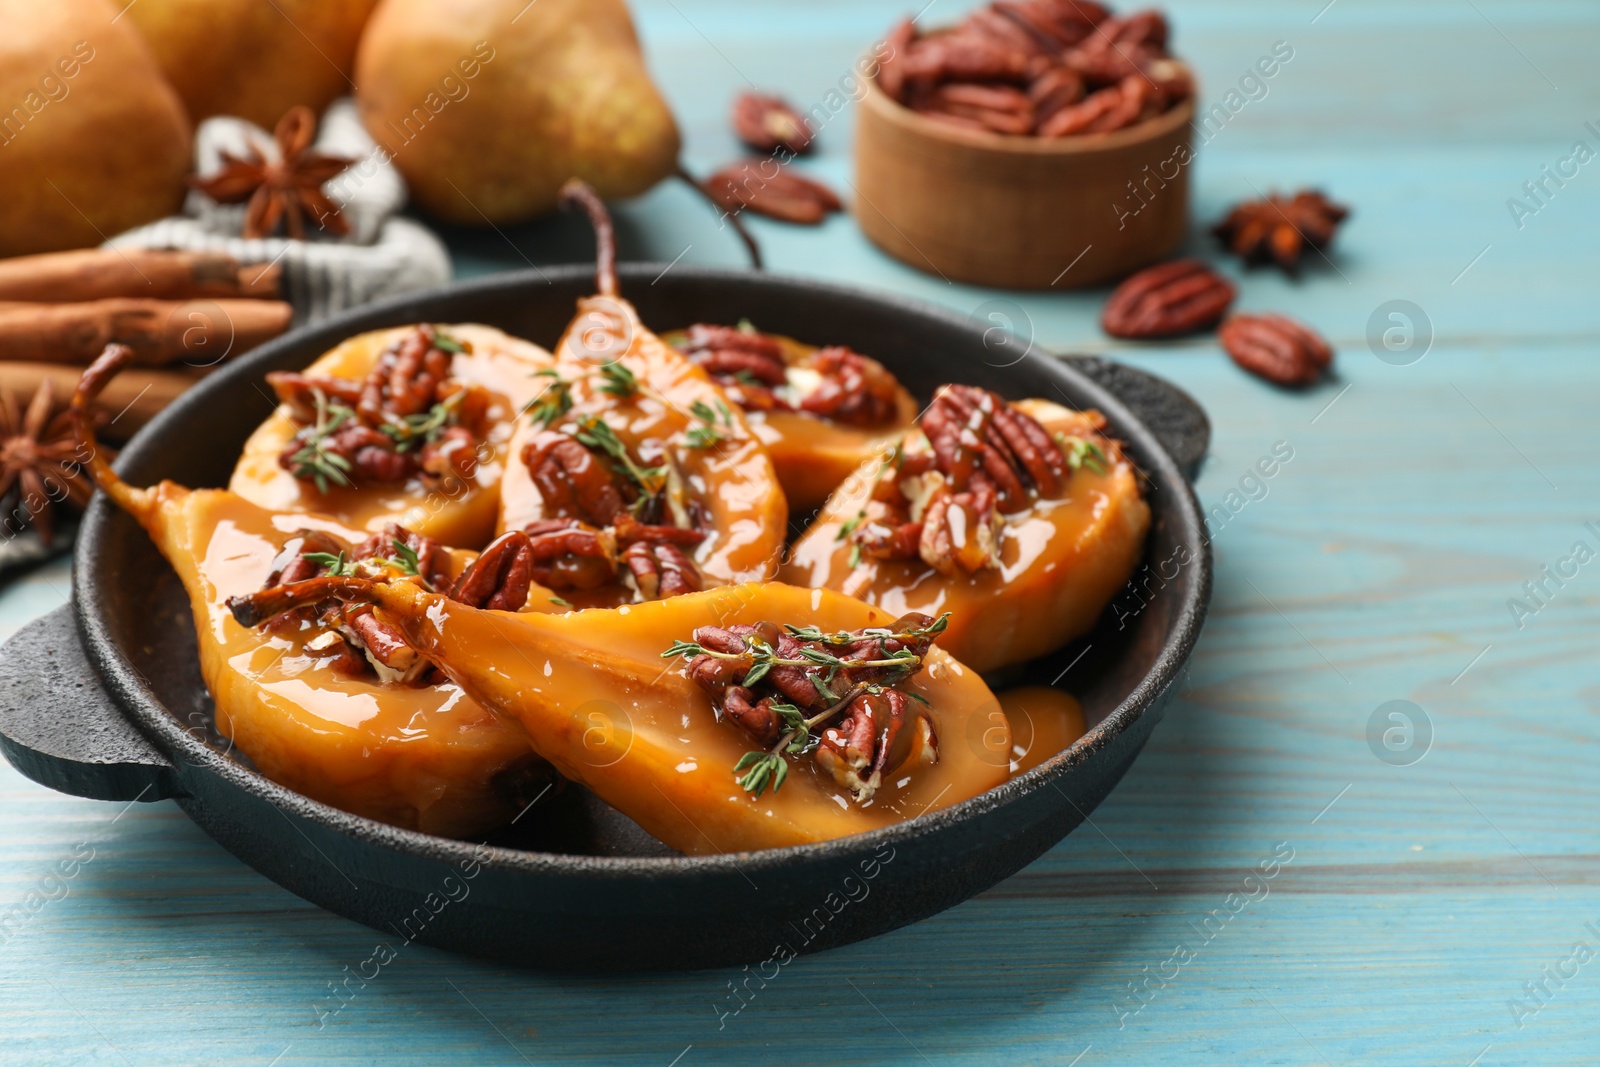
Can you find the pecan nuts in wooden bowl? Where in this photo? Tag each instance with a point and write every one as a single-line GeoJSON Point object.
{"type": "Point", "coordinates": [1036, 144]}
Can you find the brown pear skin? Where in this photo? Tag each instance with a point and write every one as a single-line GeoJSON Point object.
{"type": "Point", "coordinates": [93, 141]}
{"type": "Point", "coordinates": [489, 106]}
{"type": "Point", "coordinates": [255, 59]}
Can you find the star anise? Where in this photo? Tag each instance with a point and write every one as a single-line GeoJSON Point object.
{"type": "Point", "coordinates": [39, 460]}
{"type": "Point", "coordinates": [1279, 228]}
{"type": "Point", "coordinates": [286, 190]}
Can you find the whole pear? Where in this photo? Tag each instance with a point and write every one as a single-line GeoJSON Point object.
{"type": "Point", "coordinates": [489, 106]}
{"type": "Point", "coordinates": [93, 140]}
{"type": "Point", "coordinates": [253, 58]}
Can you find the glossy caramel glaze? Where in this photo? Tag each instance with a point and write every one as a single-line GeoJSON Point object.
{"type": "Point", "coordinates": [461, 515]}
{"type": "Point", "coordinates": [426, 758]}
{"type": "Point", "coordinates": [812, 455]}
{"type": "Point", "coordinates": [732, 480]}
{"type": "Point", "coordinates": [1061, 560]}
{"type": "Point", "coordinates": [1043, 721]}
{"type": "Point", "coordinates": [597, 700]}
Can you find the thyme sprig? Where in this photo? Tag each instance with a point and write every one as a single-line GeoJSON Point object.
{"type": "Point", "coordinates": [424, 427]}
{"type": "Point", "coordinates": [761, 769]}
{"type": "Point", "coordinates": [764, 657]}
{"type": "Point", "coordinates": [709, 433]}
{"type": "Point", "coordinates": [618, 381]}
{"type": "Point", "coordinates": [593, 433]}
{"type": "Point", "coordinates": [553, 401]}
{"type": "Point", "coordinates": [445, 343]}
{"type": "Point", "coordinates": [336, 566]}
{"type": "Point", "coordinates": [1082, 452]}
{"type": "Point", "coordinates": [847, 637]}
{"type": "Point", "coordinates": [406, 558]}
{"type": "Point", "coordinates": [313, 460]}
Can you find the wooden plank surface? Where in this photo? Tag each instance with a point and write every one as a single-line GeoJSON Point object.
{"type": "Point", "coordinates": [1421, 901]}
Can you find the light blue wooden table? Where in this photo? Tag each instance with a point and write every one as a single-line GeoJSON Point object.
{"type": "Point", "coordinates": [1432, 913]}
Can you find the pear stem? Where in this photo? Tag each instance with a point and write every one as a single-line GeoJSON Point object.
{"type": "Point", "coordinates": [110, 363]}
{"type": "Point", "coordinates": [253, 609]}
{"type": "Point", "coordinates": [580, 194]}
{"type": "Point", "coordinates": [733, 219]}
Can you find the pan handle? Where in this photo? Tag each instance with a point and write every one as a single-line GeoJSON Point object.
{"type": "Point", "coordinates": [1174, 416]}
{"type": "Point", "coordinates": [60, 727]}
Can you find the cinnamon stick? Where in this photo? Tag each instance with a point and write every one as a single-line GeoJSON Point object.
{"type": "Point", "coordinates": [198, 333]}
{"type": "Point", "coordinates": [132, 399]}
{"type": "Point", "coordinates": [152, 274]}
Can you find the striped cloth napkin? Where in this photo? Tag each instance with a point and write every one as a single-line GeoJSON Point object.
{"type": "Point", "coordinates": [382, 256]}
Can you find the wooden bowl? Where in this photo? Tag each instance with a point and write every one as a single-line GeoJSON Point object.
{"type": "Point", "coordinates": [1021, 212]}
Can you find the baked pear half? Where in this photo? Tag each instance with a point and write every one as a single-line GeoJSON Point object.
{"type": "Point", "coordinates": [410, 425]}
{"type": "Point", "coordinates": [632, 474]}
{"type": "Point", "coordinates": [327, 702]}
{"type": "Point", "coordinates": [1021, 520]}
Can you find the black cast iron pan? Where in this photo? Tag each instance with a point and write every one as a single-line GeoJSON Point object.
{"type": "Point", "coordinates": [104, 699]}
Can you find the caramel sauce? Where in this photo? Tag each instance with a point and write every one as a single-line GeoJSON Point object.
{"type": "Point", "coordinates": [462, 515]}
{"type": "Point", "coordinates": [1044, 722]}
{"type": "Point", "coordinates": [1060, 561]}
{"type": "Point", "coordinates": [732, 480]}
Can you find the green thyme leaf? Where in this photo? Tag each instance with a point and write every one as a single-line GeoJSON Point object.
{"type": "Point", "coordinates": [406, 557]}
{"type": "Point", "coordinates": [445, 343]}
{"type": "Point", "coordinates": [848, 528]}
{"type": "Point", "coordinates": [1081, 452]}
{"type": "Point", "coordinates": [312, 461]}
{"type": "Point", "coordinates": [554, 401]}
{"type": "Point", "coordinates": [593, 433]}
{"type": "Point", "coordinates": [761, 769]}
{"type": "Point", "coordinates": [708, 433]}
{"type": "Point", "coordinates": [424, 427]}
{"type": "Point", "coordinates": [684, 648]}
{"type": "Point", "coordinates": [560, 603]}
{"type": "Point", "coordinates": [335, 566]}
{"type": "Point", "coordinates": [617, 381]}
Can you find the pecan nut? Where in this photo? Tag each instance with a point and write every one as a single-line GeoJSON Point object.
{"type": "Point", "coordinates": [853, 389]}
{"type": "Point", "coordinates": [568, 554]}
{"type": "Point", "coordinates": [961, 531]}
{"type": "Point", "coordinates": [660, 569]}
{"type": "Point", "coordinates": [997, 108]}
{"type": "Point", "coordinates": [572, 480]}
{"type": "Point", "coordinates": [973, 430]}
{"type": "Point", "coordinates": [500, 577]}
{"type": "Point", "coordinates": [768, 123]}
{"type": "Point", "coordinates": [433, 560]}
{"type": "Point", "coordinates": [1184, 296]}
{"type": "Point", "coordinates": [735, 356]}
{"type": "Point", "coordinates": [781, 195]}
{"type": "Point", "coordinates": [407, 377]}
{"type": "Point", "coordinates": [986, 459]}
{"type": "Point", "coordinates": [873, 740]}
{"type": "Point", "coordinates": [1277, 348]}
